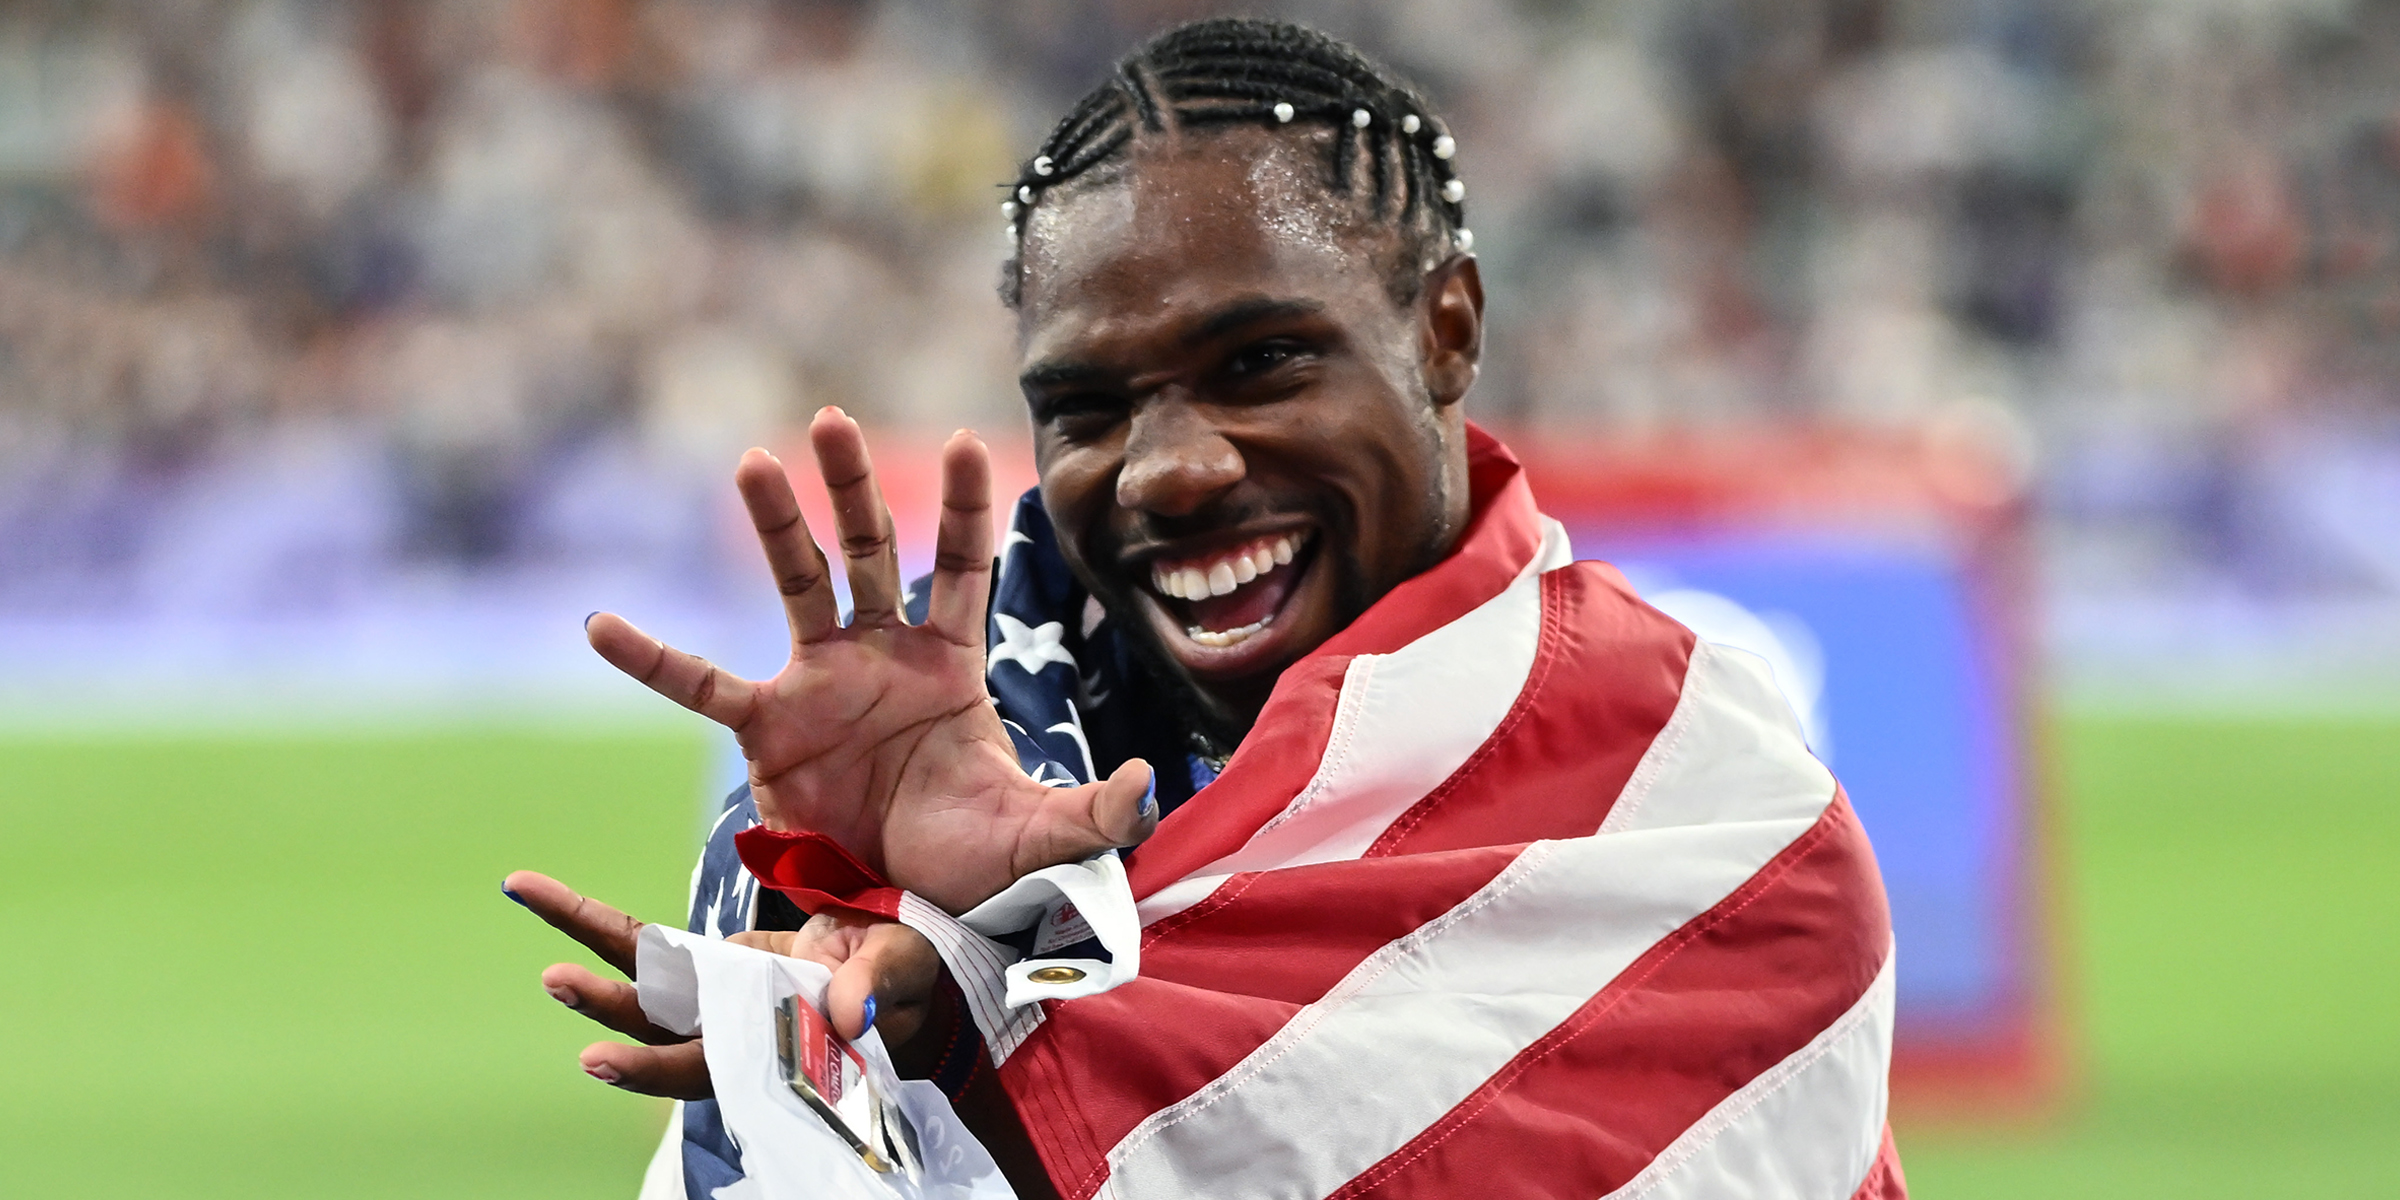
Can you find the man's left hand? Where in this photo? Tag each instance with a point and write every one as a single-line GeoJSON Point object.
{"type": "Point", "coordinates": [881, 734]}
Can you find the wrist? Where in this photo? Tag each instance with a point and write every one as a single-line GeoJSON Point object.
{"type": "Point", "coordinates": [945, 1049]}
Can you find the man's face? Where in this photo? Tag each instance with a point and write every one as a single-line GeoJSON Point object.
{"type": "Point", "coordinates": [1232, 417]}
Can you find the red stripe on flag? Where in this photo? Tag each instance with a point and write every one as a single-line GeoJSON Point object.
{"type": "Point", "coordinates": [1216, 989]}
{"type": "Point", "coordinates": [1884, 1180]}
{"type": "Point", "coordinates": [1271, 767]}
{"type": "Point", "coordinates": [1735, 991]}
{"type": "Point", "coordinates": [1605, 680]}
{"type": "Point", "coordinates": [1083, 1084]}
{"type": "Point", "coordinates": [1293, 934]}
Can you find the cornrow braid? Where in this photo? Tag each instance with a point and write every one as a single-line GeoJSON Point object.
{"type": "Point", "coordinates": [1246, 71]}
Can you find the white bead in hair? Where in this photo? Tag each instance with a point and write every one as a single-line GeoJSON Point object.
{"type": "Point", "coordinates": [1443, 147]}
{"type": "Point", "coordinates": [1410, 123]}
{"type": "Point", "coordinates": [1011, 229]}
{"type": "Point", "coordinates": [1010, 209]}
{"type": "Point", "coordinates": [1283, 112]}
{"type": "Point", "coordinates": [1025, 193]}
{"type": "Point", "coordinates": [1454, 191]}
{"type": "Point", "coordinates": [1042, 167]}
{"type": "Point", "coordinates": [1465, 239]}
{"type": "Point", "coordinates": [1361, 117]}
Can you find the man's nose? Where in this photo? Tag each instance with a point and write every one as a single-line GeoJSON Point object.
{"type": "Point", "coordinates": [1176, 459]}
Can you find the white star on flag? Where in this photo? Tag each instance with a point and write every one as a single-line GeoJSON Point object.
{"type": "Point", "coordinates": [1030, 647]}
{"type": "Point", "coordinates": [1015, 538]}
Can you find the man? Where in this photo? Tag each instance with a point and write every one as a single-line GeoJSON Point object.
{"type": "Point", "coordinates": [1456, 866]}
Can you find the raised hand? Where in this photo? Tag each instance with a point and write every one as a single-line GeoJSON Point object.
{"type": "Point", "coordinates": [880, 734]}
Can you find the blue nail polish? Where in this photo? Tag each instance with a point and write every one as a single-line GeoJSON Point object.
{"type": "Point", "coordinates": [869, 1018]}
{"type": "Point", "coordinates": [513, 896]}
{"type": "Point", "coordinates": [1150, 796]}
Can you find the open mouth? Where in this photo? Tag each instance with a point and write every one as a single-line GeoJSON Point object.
{"type": "Point", "coordinates": [1227, 597]}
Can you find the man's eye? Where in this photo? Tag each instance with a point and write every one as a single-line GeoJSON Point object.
{"type": "Point", "coordinates": [1262, 358]}
{"type": "Point", "coordinates": [1080, 413]}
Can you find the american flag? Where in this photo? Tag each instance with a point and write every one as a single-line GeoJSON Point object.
{"type": "Point", "coordinates": [1516, 888]}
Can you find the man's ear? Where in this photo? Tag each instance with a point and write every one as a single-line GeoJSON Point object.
{"type": "Point", "coordinates": [1451, 333]}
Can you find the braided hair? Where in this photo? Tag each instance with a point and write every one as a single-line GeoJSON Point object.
{"type": "Point", "coordinates": [1387, 149]}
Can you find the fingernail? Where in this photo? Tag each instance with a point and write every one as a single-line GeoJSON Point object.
{"type": "Point", "coordinates": [870, 1016]}
{"type": "Point", "coordinates": [513, 896]}
{"type": "Point", "coordinates": [603, 1072]}
{"type": "Point", "coordinates": [1150, 796]}
{"type": "Point", "coordinates": [562, 995]}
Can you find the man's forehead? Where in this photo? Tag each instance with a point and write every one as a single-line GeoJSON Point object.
{"type": "Point", "coordinates": [1187, 231]}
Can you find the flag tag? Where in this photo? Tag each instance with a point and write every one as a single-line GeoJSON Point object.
{"type": "Point", "coordinates": [1061, 926]}
{"type": "Point", "coordinates": [826, 1072]}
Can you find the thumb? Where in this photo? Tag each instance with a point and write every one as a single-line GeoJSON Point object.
{"type": "Point", "coordinates": [1125, 805]}
{"type": "Point", "coordinates": [1077, 823]}
{"type": "Point", "coordinates": [887, 984]}
{"type": "Point", "coordinates": [847, 997]}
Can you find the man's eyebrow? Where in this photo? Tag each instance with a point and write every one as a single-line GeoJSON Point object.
{"type": "Point", "coordinates": [1249, 312]}
{"type": "Point", "coordinates": [1051, 376]}
{"type": "Point", "coordinates": [1058, 375]}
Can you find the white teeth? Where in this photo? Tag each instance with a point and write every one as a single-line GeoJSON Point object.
{"type": "Point", "coordinates": [1226, 574]}
{"type": "Point", "coordinates": [1227, 637]}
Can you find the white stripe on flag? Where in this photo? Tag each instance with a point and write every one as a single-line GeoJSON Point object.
{"type": "Point", "coordinates": [1424, 1021]}
{"type": "Point", "coordinates": [1405, 722]}
{"type": "Point", "coordinates": [1809, 1128]}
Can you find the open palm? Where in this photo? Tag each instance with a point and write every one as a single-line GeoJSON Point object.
{"type": "Point", "coordinates": [880, 734]}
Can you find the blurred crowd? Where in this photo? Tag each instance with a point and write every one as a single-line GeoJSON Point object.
{"type": "Point", "coordinates": [481, 281]}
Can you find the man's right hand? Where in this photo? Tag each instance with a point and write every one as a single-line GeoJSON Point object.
{"type": "Point", "coordinates": [883, 975]}
{"type": "Point", "coordinates": [881, 734]}
{"type": "Point", "coordinates": [665, 1063]}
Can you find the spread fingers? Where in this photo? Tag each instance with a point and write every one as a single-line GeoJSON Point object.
{"type": "Point", "coordinates": [792, 554]}
{"type": "Point", "coordinates": [601, 928]}
{"type": "Point", "coordinates": [679, 1071]}
{"type": "Point", "coordinates": [611, 1002]}
{"type": "Point", "coordinates": [962, 556]}
{"type": "Point", "coordinates": [686, 679]}
{"type": "Point", "coordinates": [861, 520]}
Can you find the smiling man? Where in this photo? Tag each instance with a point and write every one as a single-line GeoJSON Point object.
{"type": "Point", "coordinates": [1245, 393]}
{"type": "Point", "coordinates": [1456, 867]}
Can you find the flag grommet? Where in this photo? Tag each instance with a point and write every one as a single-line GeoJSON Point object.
{"type": "Point", "coordinates": [1055, 975]}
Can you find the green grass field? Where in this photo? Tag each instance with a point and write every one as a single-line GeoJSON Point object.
{"type": "Point", "coordinates": [2233, 941]}
{"type": "Point", "coordinates": [267, 967]}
